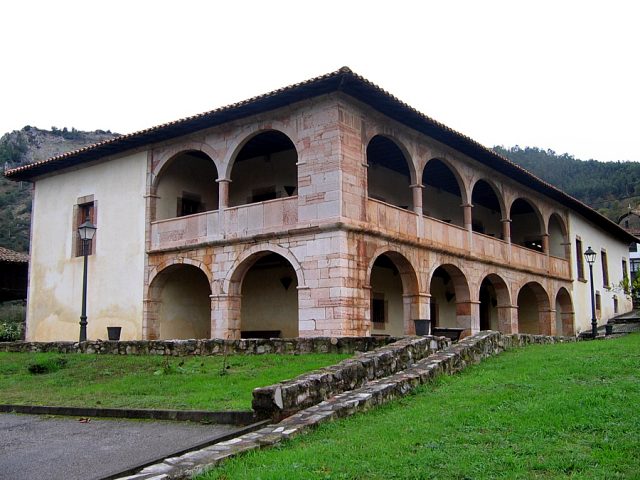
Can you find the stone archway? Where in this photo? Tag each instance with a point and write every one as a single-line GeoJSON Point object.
{"type": "Point", "coordinates": [394, 295]}
{"type": "Point", "coordinates": [495, 304]}
{"type": "Point", "coordinates": [534, 313]}
{"type": "Point", "coordinates": [264, 168]}
{"type": "Point", "coordinates": [450, 302]}
{"type": "Point", "coordinates": [565, 315]}
{"type": "Point", "coordinates": [179, 305]}
{"type": "Point", "coordinates": [390, 173]}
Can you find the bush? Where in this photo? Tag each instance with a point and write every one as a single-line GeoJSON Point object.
{"type": "Point", "coordinates": [47, 366]}
{"type": "Point", "coordinates": [10, 332]}
{"type": "Point", "coordinates": [12, 317]}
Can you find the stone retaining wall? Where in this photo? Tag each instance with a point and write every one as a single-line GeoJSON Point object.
{"type": "Point", "coordinates": [207, 347]}
{"type": "Point", "coordinates": [449, 360]}
{"type": "Point", "coordinates": [288, 397]}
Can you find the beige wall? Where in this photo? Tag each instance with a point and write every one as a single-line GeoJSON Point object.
{"type": "Point", "coordinates": [115, 273]}
{"type": "Point", "coordinates": [597, 239]}
{"type": "Point", "coordinates": [442, 205]}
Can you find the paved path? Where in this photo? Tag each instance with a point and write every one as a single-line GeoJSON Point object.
{"type": "Point", "coordinates": [39, 447]}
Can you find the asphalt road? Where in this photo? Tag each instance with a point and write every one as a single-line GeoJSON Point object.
{"type": "Point", "coordinates": [39, 447]}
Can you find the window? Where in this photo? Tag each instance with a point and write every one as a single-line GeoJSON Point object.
{"type": "Point", "coordinates": [84, 210]}
{"type": "Point", "coordinates": [189, 204]}
{"type": "Point", "coordinates": [598, 304]}
{"type": "Point", "coordinates": [615, 304]}
{"type": "Point", "coordinates": [378, 310]}
{"type": "Point", "coordinates": [579, 259]}
{"type": "Point", "coordinates": [605, 270]}
{"type": "Point", "coordinates": [625, 275]}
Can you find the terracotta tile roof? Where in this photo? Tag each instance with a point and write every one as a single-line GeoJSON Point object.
{"type": "Point", "coordinates": [343, 80]}
{"type": "Point", "coordinates": [9, 256]}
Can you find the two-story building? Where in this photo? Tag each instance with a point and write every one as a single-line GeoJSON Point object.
{"type": "Point", "coordinates": [328, 207]}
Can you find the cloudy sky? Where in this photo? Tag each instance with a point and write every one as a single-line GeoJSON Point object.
{"type": "Point", "coordinates": [563, 75]}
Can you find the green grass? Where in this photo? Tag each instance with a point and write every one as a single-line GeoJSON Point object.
{"type": "Point", "coordinates": [147, 381]}
{"type": "Point", "coordinates": [556, 411]}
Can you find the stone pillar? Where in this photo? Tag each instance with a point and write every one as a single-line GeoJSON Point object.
{"type": "Point", "coordinates": [225, 316]}
{"type": "Point", "coordinates": [467, 210]}
{"type": "Point", "coordinates": [506, 229]}
{"type": "Point", "coordinates": [545, 243]}
{"type": "Point", "coordinates": [468, 316]}
{"type": "Point", "coordinates": [417, 198]}
{"type": "Point", "coordinates": [547, 322]}
{"type": "Point", "coordinates": [568, 324]}
{"type": "Point", "coordinates": [508, 318]}
{"type": "Point", "coordinates": [416, 307]}
{"type": "Point", "coordinates": [151, 320]}
{"type": "Point", "coordinates": [223, 192]}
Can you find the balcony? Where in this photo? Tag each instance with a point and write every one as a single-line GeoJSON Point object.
{"type": "Point", "coordinates": [235, 222]}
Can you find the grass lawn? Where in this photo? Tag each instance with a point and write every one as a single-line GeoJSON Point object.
{"type": "Point", "coordinates": [148, 381]}
{"type": "Point", "coordinates": [555, 411]}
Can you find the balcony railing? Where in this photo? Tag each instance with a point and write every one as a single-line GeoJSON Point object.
{"type": "Point", "coordinates": [282, 214]}
{"type": "Point", "coordinates": [234, 222]}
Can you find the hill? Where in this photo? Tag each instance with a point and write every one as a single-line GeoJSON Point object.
{"type": "Point", "coordinates": [609, 187]}
{"type": "Point", "coordinates": [24, 146]}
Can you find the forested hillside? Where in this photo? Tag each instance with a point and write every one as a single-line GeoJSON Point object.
{"type": "Point", "coordinates": [26, 146]}
{"type": "Point", "coordinates": [609, 187]}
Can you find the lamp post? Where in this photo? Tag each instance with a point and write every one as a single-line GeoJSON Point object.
{"type": "Point", "coordinates": [590, 256]}
{"type": "Point", "coordinates": [86, 231]}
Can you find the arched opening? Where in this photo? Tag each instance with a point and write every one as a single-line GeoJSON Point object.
{"type": "Point", "coordinates": [565, 316]}
{"type": "Point", "coordinates": [449, 304]}
{"type": "Point", "coordinates": [393, 283]}
{"type": "Point", "coordinates": [533, 308]}
{"type": "Point", "coordinates": [441, 195]}
{"type": "Point", "coordinates": [183, 305]}
{"type": "Point", "coordinates": [558, 241]}
{"type": "Point", "coordinates": [264, 169]}
{"type": "Point", "coordinates": [487, 212]}
{"type": "Point", "coordinates": [494, 298]}
{"type": "Point", "coordinates": [186, 186]}
{"type": "Point", "coordinates": [526, 229]}
{"type": "Point", "coordinates": [269, 302]}
{"type": "Point", "coordinates": [388, 175]}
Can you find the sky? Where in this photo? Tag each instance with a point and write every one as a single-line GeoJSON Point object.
{"type": "Point", "coordinates": [561, 75]}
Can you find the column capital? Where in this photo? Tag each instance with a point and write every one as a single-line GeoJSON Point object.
{"type": "Point", "coordinates": [223, 180]}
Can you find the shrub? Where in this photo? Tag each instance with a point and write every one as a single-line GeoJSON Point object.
{"type": "Point", "coordinates": [48, 365]}
{"type": "Point", "coordinates": [12, 316]}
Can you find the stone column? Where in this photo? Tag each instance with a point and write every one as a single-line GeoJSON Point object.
{"type": "Point", "coordinates": [547, 322]}
{"type": "Point", "coordinates": [416, 307]}
{"type": "Point", "coordinates": [508, 318]}
{"type": "Point", "coordinates": [468, 316]}
{"type": "Point", "coordinates": [545, 243]}
{"type": "Point", "coordinates": [225, 316]}
{"type": "Point", "coordinates": [417, 198]}
{"type": "Point", "coordinates": [150, 319]}
{"type": "Point", "coordinates": [568, 324]}
{"type": "Point", "coordinates": [223, 192]}
{"type": "Point", "coordinates": [506, 229]}
{"type": "Point", "coordinates": [467, 210]}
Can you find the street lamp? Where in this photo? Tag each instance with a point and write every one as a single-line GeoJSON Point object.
{"type": "Point", "coordinates": [86, 231]}
{"type": "Point", "coordinates": [590, 256]}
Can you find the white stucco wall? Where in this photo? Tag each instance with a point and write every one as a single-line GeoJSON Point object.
{"type": "Point", "coordinates": [115, 270]}
{"type": "Point", "coordinates": [597, 239]}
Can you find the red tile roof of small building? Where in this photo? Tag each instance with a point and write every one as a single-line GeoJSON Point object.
{"type": "Point", "coordinates": [10, 256]}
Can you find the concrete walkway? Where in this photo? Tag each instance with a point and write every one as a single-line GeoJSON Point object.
{"type": "Point", "coordinates": [39, 447]}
